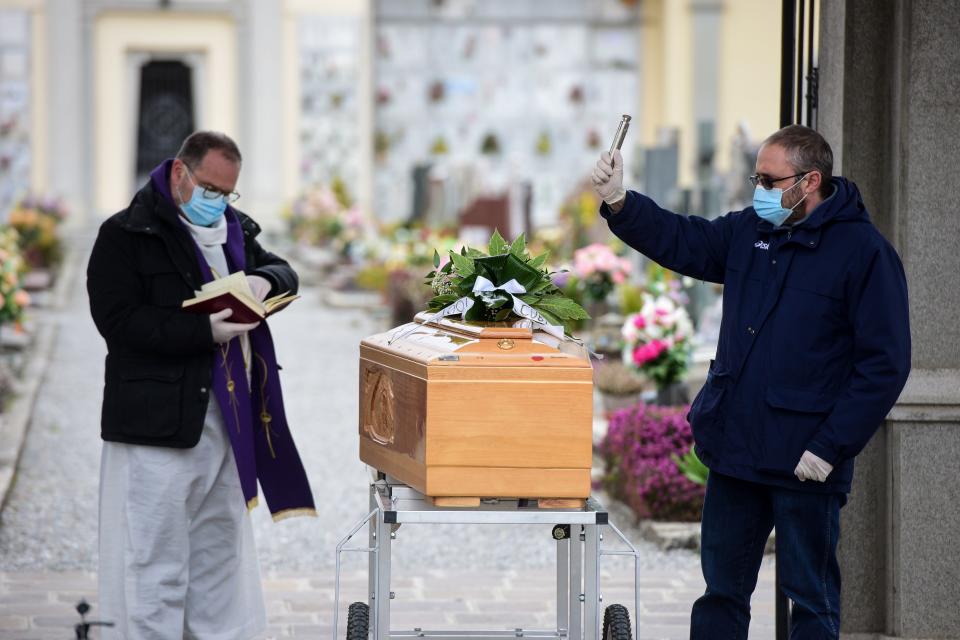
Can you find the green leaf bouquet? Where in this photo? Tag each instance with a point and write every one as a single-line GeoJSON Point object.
{"type": "Point", "coordinates": [498, 283]}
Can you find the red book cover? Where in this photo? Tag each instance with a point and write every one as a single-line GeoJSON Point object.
{"type": "Point", "coordinates": [242, 313]}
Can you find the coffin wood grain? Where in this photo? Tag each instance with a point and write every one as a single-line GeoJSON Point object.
{"type": "Point", "coordinates": [460, 411]}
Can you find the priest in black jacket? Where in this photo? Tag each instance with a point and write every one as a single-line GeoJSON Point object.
{"type": "Point", "coordinates": [193, 415]}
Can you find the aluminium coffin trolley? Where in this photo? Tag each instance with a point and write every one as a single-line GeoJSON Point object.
{"type": "Point", "coordinates": [578, 535]}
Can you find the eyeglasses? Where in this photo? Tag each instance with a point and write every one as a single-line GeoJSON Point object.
{"type": "Point", "coordinates": [767, 182]}
{"type": "Point", "coordinates": [211, 193]}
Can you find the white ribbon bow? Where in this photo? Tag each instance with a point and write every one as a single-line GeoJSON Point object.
{"type": "Point", "coordinates": [521, 308]}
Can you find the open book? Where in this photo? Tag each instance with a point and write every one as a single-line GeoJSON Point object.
{"type": "Point", "coordinates": [233, 292]}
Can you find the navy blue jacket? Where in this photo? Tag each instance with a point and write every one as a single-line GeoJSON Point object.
{"type": "Point", "coordinates": [814, 343]}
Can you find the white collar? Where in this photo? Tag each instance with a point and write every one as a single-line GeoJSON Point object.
{"type": "Point", "coordinates": [208, 236]}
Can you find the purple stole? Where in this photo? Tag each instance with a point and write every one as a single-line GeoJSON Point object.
{"type": "Point", "coordinates": [255, 420]}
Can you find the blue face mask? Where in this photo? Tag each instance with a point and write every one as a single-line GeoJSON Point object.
{"type": "Point", "coordinates": [767, 204]}
{"type": "Point", "coordinates": [202, 211]}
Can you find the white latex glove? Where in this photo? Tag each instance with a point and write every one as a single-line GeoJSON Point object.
{"type": "Point", "coordinates": [812, 467]}
{"type": "Point", "coordinates": [608, 177]}
{"type": "Point", "coordinates": [260, 287]}
{"type": "Point", "coordinates": [223, 330]}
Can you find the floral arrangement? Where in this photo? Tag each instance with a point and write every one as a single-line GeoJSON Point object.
{"type": "Point", "coordinates": [393, 261]}
{"type": "Point", "coordinates": [599, 270]}
{"type": "Point", "coordinates": [638, 452]}
{"type": "Point", "coordinates": [37, 221]}
{"type": "Point", "coordinates": [503, 264]}
{"type": "Point", "coordinates": [327, 216]}
{"type": "Point", "coordinates": [403, 247]}
{"type": "Point", "coordinates": [13, 299]}
{"type": "Point", "coordinates": [658, 338]}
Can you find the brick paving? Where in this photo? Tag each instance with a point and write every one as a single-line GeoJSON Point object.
{"type": "Point", "coordinates": [40, 605]}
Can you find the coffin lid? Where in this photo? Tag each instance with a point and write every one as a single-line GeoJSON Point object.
{"type": "Point", "coordinates": [454, 342]}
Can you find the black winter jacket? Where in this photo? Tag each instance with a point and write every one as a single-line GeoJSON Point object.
{"type": "Point", "coordinates": [159, 357]}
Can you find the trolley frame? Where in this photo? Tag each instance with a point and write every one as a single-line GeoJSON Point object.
{"type": "Point", "coordinates": [579, 599]}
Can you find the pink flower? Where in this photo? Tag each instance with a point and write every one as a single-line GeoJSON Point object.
{"type": "Point", "coordinates": [657, 347]}
{"type": "Point", "coordinates": [640, 356]}
{"type": "Point", "coordinates": [583, 265]}
{"type": "Point", "coordinates": [648, 352]}
{"type": "Point", "coordinates": [640, 322]}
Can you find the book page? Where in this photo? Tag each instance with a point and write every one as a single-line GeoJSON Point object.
{"type": "Point", "coordinates": [279, 301]}
{"type": "Point", "coordinates": [235, 284]}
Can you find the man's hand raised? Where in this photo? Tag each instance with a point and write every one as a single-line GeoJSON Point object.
{"type": "Point", "coordinates": [608, 178]}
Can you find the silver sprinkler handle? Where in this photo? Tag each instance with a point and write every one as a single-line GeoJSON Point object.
{"type": "Point", "coordinates": [621, 133]}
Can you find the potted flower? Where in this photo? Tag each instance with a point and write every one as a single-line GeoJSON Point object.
{"type": "Point", "coordinates": [325, 216]}
{"type": "Point", "coordinates": [640, 451]}
{"type": "Point", "coordinates": [619, 386]}
{"type": "Point", "coordinates": [657, 343]}
{"type": "Point", "coordinates": [599, 270]}
{"type": "Point", "coordinates": [37, 222]}
{"type": "Point", "coordinates": [13, 299]}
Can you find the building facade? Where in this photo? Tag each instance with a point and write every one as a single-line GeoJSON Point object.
{"type": "Point", "coordinates": [95, 91]}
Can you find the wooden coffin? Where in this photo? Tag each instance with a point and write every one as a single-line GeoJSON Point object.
{"type": "Point", "coordinates": [457, 409]}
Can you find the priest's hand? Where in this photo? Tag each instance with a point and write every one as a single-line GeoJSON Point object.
{"type": "Point", "coordinates": [260, 287]}
{"type": "Point", "coordinates": [812, 467]}
{"type": "Point", "coordinates": [223, 330]}
{"type": "Point", "coordinates": [608, 178]}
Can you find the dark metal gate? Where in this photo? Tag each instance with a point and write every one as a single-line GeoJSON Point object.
{"type": "Point", "coordinates": [799, 77]}
{"type": "Point", "coordinates": [799, 60]}
{"type": "Point", "coordinates": [165, 115]}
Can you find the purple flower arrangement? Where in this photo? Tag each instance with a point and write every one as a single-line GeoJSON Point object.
{"type": "Point", "coordinates": [639, 469]}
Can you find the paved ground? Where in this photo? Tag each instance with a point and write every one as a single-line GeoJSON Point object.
{"type": "Point", "coordinates": [451, 577]}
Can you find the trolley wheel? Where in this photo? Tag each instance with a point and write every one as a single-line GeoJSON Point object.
{"type": "Point", "coordinates": [616, 623]}
{"type": "Point", "coordinates": [358, 621]}
{"type": "Point", "coordinates": [561, 532]}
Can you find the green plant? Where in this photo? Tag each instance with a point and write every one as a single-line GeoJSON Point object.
{"type": "Point", "coordinates": [631, 298]}
{"type": "Point", "coordinates": [543, 143]}
{"type": "Point", "coordinates": [439, 146]}
{"type": "Point", "coordinates": [691, 466]}
{"type": "Point", "coordinates": [502, 265]}
{"type": "Point", "coordinates": [381, 143]}
{"type": "Point", "coordinates": [373, 278]}
{"type": "Point", "coordinates": [490, 145]}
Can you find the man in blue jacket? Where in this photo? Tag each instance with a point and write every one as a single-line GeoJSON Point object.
{"type": "Point", "coordinates": [814, 350]}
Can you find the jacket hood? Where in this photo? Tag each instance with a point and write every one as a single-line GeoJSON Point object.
{"type": "Point", "coordinates": [160, 179]}
{"type": "Point", "coordinates": [845, 205]}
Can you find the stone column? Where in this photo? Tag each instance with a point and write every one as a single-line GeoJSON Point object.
{"type": "Point", "coordinates": [68, 172]}
{"type": "Point", "coordinates": [890, 106]}
{"type": "Point", "coordinates": [261, 78]}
